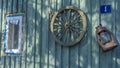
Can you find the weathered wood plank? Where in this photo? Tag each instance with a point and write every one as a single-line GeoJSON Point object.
{"type": "Point", "coordinates": [65, 50]}
{"type": "Point", "coordinates": [88, 13]}
{"type": "Point", "coordinates": [10, 60]}
{"type": "Point", "coordinates": [1, 7]}
{"type": "Point", "coordinates": [3, 28]}
{"type": "Point", "coordinates": [9, 10]}
{"type": "Point", "coordinates": [1, 23]}
{"type": "Point", "coordinates": [19, 5]}
{"type": "Point", "coordinates": [38, 33]}
{"type": "Point", "coordinates": [51, 43]}
{"type": "Point", "coordinates": [64, 57]}
{"type": "Point", "coordinates": [106, 20]}
{"type": "Point", "coordinates": [44, 52]}
{"type": "Point", "coordinates": [23, 58]}
{"type": "Point", "coordinates": [31, 34]}
{"type": "Point", "coordinates": [117, 16]}
{"type": "Point", "coordinates": [74, 50]}
{"type": "Point", "coordinates": [114, 52]}
{"type": "Point", "coordinates": [58, 60]}
{"type": "Point", "coordinates": [45, 24]}
{"type": "Point", "coordinates": [1, 13]}
{"type": "Point", "coordinates": [35, 37]}
{"type": "Point", "coordinates": [94, 23]}
{"type": "Point", "coordinates": [16, 7]}
{"type": "Point", "coordinates": [85, 45]}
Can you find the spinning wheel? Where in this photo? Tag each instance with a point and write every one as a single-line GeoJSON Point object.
{"type": "Point", "coordinates": [68, 26]}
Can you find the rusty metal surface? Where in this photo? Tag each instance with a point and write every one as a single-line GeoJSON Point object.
{"type": "Point", "coordinates": [107, 45]}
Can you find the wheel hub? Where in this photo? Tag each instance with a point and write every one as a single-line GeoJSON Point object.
{"type": "Point", "coordinates": [67, 25]}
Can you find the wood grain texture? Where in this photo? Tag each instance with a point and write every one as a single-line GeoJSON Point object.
{"type": "Point", "coordinates": [38, 19]}
{"type": "Point", "coordinates": [31, 34]}
{"type": "Point", "coordinates": [117, 33]}
{"type": "Point", "coordinates": [107, 20]}
{"type": "Point", "coordinates": [41, 50]}
{"type": "Point", "coordinates": [65, 50]}
{"type": "Point", "coordinates": [45, 25]}
{"type": "Point", "coordinates": [51, 46]}
{"type": "Point", "coordinates": [95, 21]}
{"type": "Point", "coordinates": [1, 6]}
{"type": "Point", "coordinates": [74, 50]}
{"type": "Point", "coordinates": [58, 48]}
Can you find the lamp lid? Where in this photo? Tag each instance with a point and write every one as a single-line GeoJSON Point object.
{"type": "Point", "coordinates": [100, 29]}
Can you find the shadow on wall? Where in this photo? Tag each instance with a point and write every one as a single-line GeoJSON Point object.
{"type": "Point", "coordinates": [117, 34]}
{"type": "Point", "coordinates": [34, 24]}
{"type": "Point", "coordinates": [37, 36]}
{"type": "Point", "coordinates": [36, 42]}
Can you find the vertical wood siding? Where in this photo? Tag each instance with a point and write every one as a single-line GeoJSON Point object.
{"type": "Point", "coordinates": [41, 50]}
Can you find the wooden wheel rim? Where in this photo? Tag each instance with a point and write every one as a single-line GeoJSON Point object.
{"type": "Point", "coordinates": [84, 25]}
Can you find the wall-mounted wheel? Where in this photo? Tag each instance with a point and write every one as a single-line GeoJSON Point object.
{"type": "Point", "coordinates": [68, 26]}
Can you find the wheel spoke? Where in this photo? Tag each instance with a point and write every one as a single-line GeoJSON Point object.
{"type": "Point", "coordinates": [57, 28]}
{"type": "Point", "coordinates": [57, 24]}
{"type": "Point", "coordinates": [65, 15]}
{"type": "Point", "coordinates": [76, 17]}
{"type": "Point", "coordinates": [62, 34]}
{"type": "Point", "coordinates": [74, 35]}
{"type": "Point", "coordinates": [74, 13]}
{"type": "Point", "coordinates": [58, 33]}
{"type": "Point", "coordinates": [76, 30]}
{"type": "Point", "coordinates": [57, 19]}
{"type": "Point", "coordinates": [71, 35]}
{"type": "Point", "coordinates": [68, 26]}
{"type": "Point", "coordinates": [67, 36]}
{"type": "Point", "coordinates": [75, 27]}
{"type": "Point", "coordinates": [64, 38]}
{"type": "Point", "coordinates": [78, 20]}
{"type": "Point", "coordinates": [69, 16]}
{"type": "Point", "coordinates": [74, 22]}
{"type": "Point", "coordinates": [54, 30]}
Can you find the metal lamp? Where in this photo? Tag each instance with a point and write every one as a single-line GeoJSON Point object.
{"type": "Point", "coordinates": [105, 38]}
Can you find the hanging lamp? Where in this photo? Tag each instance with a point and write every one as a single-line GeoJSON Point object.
{"type": "Point", "coordinates": [105, 38]}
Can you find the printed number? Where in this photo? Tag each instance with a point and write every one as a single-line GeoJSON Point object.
{"type": "Point", "coordinates": [105, 8]}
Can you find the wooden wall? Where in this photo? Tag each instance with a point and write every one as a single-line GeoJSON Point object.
{"type": "Point", "coordinates": [41, 50]}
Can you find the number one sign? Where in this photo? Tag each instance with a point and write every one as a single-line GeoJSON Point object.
{"type": "Point", "coordinates": [105, 9]}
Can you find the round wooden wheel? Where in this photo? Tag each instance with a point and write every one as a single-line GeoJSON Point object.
{"type": "Point", "coordinates": [68, 26]}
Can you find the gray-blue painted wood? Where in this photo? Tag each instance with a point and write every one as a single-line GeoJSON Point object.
{"type": "Point", "coordinates": [41, 50]}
